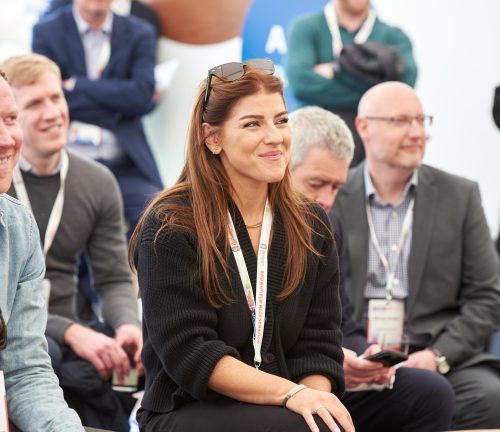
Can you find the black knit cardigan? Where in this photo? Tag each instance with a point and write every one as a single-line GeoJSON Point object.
{"type": "Point", "coordinates": [184, 337]}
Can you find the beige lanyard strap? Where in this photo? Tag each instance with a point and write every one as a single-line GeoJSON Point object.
{"type": "Point", "coordinates": [57, 209]}
{"type": "Point", "coordinates": [333, 24]}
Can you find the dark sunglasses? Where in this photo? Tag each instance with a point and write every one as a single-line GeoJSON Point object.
{"type": "Point", "coordinates": [234, 71]}
{"type": "Point", "coordinates": [3, 332]}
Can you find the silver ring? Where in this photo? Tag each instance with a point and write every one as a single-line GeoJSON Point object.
{"type": "Point", "coordinates": [317, 409]}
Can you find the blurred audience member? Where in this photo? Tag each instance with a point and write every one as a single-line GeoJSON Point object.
{"type": "Point", "coordinates": [496, 107]}
{"type": "Point", "coordinates": [122, 7]}
{"type": "Point", "coordinates": [336, 54]}
{"type": "Point", "coordinates": [418, 400]}
{"type": "Point", "coordinates": [419, 254]}
{"type": "Point", "coordinates": [107, 64]}
{"type": "Point", "coordinates": [34, 400]}
{"type": "Point", "coordinates": [496, 119]}
{"type": "Point", "coordinates": [76, 204]}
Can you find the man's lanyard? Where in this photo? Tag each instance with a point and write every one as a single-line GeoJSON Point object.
{"type": "Point", "coordinates": [405, 230]}
{"type": "Point", "coordinates": [333, 24]}
{"type": "Point", "coordinates": [258, 309]}
{"type": "Point", "coordinates": [57, 209]}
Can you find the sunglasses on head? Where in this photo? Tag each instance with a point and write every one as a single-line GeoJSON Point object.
{"type": "Point", "coordinates": [234, 71]}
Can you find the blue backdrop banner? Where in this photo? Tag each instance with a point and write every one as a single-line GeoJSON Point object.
{"type": "Point", "coordinates": [264, 33]}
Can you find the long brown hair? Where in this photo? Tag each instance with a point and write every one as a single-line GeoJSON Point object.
{"type": "Point", "coordinates": [204, 182]}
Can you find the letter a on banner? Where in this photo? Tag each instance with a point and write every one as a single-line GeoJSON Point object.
{"type": "Point", "coordinates": [276, 41]}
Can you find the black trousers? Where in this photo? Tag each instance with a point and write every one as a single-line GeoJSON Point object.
{"type": "Point", "coordinates": [84, 390]}
{"type": "Point", "coordinates": [420, 401]}
{"type": "Point", "coordinates": [478, 397]}
{"type": "Point", "coordinates": [225, 415]}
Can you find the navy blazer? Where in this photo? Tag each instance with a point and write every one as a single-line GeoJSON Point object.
{"type": "Point", "coordinates": [125, 91]}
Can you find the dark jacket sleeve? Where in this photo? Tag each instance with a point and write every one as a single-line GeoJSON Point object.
{"type": "Point", "coordinates": [496, 107]}
{"type": "Point", "coordinates": [353, 332]}
{"type": "Point", "coordinates": [479, 295]}
{"type": "Point", "coordinates": [179, 322]}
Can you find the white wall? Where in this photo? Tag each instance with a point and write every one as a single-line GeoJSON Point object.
{"type": "Point", "coordinates": [457, 47]}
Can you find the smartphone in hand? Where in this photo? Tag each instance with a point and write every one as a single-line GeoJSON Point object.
{"type": "Point", "coordinates": [129, 384]}
{"type": "Point", "coordinates": [388, 357]}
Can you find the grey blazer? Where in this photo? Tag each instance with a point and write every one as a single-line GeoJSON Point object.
{"type": "Point", "coordinates": [454, 284]}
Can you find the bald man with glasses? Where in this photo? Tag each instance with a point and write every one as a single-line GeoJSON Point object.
{"type": "Point", "coordinates": [419, 254]}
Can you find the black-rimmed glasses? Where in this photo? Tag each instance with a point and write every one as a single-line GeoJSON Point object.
{"type": "Point", "coordinates": [3, 332]}
{"type": "Point", "coordinates": [405, 121]}
{"type": "Point", "coordinates": [234, 71]}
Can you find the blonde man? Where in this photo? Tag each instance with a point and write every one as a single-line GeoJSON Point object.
{"type": "Point", "coordinates": [77, 206]}
{"type": "Point", "coordinates": [34, 400]}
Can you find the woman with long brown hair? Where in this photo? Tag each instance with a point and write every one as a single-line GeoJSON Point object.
{"type": "Point", "coordinates": [239, 276]}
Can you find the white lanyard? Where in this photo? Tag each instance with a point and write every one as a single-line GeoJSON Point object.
{"type": "Point", "coordinates": [405, 230]}
{"type": "Point", "coordinates": [361, 36]}
{"type": "Point", "coordinates": [104, 56]}
{"type": "Point", "coordinates": [258, 309]}
{"type": "Point", "coordinates": [57, 209]}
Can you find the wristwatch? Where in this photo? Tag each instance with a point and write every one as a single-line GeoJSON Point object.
{"type": "Point", "coordinates": [442, 365]}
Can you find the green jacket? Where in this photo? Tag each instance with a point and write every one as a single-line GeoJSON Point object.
{"type": "Point", "coordinates": [310, 43]}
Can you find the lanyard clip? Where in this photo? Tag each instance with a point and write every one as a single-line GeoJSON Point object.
{"type": "Point", "coordinates": [388, 297]}
{"type": "Point", "coordinates": [257, 364]}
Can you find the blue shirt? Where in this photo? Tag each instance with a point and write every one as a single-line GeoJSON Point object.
{"type": "Point", "coordinates": [34, 398]}
{"type": "Point", "coordinates": [388, 223]}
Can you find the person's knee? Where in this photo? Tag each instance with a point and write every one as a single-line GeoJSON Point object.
{"type": "Point", "coordinates": [479, 406]}
{"type": "Point", "coordinates": [435, 395]}
{"type": "Point", "coordinates": [436, 390]}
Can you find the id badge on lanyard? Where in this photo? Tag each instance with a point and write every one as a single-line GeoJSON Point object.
{"type": "Point", "coordinates": [385, 323]}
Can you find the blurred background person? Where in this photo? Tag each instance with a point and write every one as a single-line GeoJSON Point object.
{"type": "Point", "coordinates": [336, 54]}
{"type": "Point", "coordinates": [107, 64]}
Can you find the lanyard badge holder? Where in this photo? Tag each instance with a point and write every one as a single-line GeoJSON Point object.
{"type": "Point", "coordinates": [257, 308]}
{"type": "Point", "coordinates": [385, 316]}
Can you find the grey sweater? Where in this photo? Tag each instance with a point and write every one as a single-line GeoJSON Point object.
{"type": "Point", "coordinates": [91, 220]}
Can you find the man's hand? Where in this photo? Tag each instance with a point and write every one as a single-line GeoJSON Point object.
{"type": "Point", "coordinates": [69, 84]}
{"type": "Point", "coordinates": [422, 359]}
{"type": "Point", "coordinates": [359, 371]}
{"type": "Point", "coordinates": [325, 70]}
{"type": "Point", "coordinates": [100, 350]}
{"type": "Point", "coordinates": [129, 337]}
